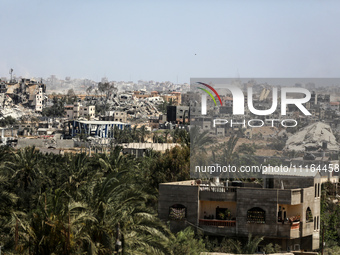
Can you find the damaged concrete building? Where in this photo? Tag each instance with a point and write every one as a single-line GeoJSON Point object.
{"type": "Point", "coordinates": [26, 92]}
{"type": "Point", "coordinates": [315, 137]}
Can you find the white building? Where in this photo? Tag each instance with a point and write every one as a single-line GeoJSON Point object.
{"type": "Point", "coordinates": [38, 100]}
{"type": "Point", "coordinates": [79, 110]}
{"type": "Point", "coordinates": [115, 116]}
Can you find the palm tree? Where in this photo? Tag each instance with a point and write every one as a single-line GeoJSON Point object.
{"type": "Point", "coordinates": [249, 247]}
{"type": "Point", "coordinates": [24, 172]}
{"type": "Point", "coordinates": [7, 202]}
{"type": "Point", "coordinates": [143, 133]}
{"type": "Point", "coordinates": [23, 166]}
{"type": "Point", "coordinates": [135, 134]}
{"type": "Point", "coordinates": [76, 174]}
{"type": "Point", "coordinates": [199, 140]}
{"type": "Point", "coordinates": [7, 199]}
{"type": "Point", "coordinates": [166, 134]}
{"type": "Point", "coordinates": [59, 224]}
{"type": "Point", "coordinates": [116, 201]}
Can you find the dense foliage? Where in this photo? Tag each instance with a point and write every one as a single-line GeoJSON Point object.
{"type": "Point", "coordinates": [330, 216]}
{"type": "Point", "coordinates": [57, 109]}
{"type": "Point", "coordinates": [7, 121]}
{"type": "Point", "coordinates": [76, 204]}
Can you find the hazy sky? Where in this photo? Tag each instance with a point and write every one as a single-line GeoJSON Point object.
{"type": "Point", "coordinates": [163, 40]}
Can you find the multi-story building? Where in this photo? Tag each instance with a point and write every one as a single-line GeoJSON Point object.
{"type": "Point", "coordinates": [285, 210]}
{"type": "Point", "coordinates": [177, 113]}
{"type": "Point", "coordinates": [174, 97]}
{"type": "Point", "coordinates": [115, 116]}
{"type": "Point", "coordinates": [38, 100]}
{"type": "Point", "coordinates": [78, 110]}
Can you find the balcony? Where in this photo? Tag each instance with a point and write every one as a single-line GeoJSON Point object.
{"type": "Point", "coordinates": [218, 226]}
{"type": "Point", "coordinates": [288, 230]}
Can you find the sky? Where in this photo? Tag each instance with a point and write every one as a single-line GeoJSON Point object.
{"type": "Point", "coordinates": [169, 40]}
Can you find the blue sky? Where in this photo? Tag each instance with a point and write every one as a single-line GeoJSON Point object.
{"type": "Point", "coordinates": [169, 40]}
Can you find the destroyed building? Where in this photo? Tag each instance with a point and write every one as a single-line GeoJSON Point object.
{"type": "Point", "coordinates": [317, 136]}
{"type": "Point", "coordinates": [26, 92]}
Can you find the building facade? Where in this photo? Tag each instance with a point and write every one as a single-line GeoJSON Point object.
{"type": "Point", "coordinates": [286, 211]}
{"type": "Point", "coordinates": [77, 110]}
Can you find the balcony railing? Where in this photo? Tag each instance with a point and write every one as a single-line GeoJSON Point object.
{"type": "Point", "coordinates": [295, 225]}
{"type": "Point", "coordinates": [217, 189]}
{"type": "Point", "coordinates": [218, 223]}
{"type": "Point", "coordinates": [289, 230]}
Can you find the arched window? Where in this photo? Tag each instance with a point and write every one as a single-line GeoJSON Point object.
{"type": "Point", "coordinates": [309, 215]}
{"type": "Point", "coordinates": [256, 215]}
{"type": "Point", "coordinates": [177, 212]}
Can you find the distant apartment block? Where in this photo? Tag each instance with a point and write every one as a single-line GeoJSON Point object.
{"type": "Point", "coordinates": [115, 116]}
{"type": "Point", "coordinates": [38, 100]}
{"type": "Point", "coordinates": [177, 113]}
{"type": "Point", "coordinates": [77, 110]}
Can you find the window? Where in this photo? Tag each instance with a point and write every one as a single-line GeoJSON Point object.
{"type": "Point", "coordinates": [316, 190]}
{"type": "Point", "coordinates": [270, 183]}
{"type": "Point", "coordinates": [309, 215]}
{"type": "Point", "coordinates": [256, 215]}
{"type": "Point", "coordinates": [177, 212]}
{"type": "Point", "coordinates": [315, 223]}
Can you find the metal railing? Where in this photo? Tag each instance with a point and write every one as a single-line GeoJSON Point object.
{"type": "Point", "coordinates": [217, 223]}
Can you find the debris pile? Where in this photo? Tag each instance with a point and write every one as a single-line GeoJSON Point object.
{"type": "Point", "coordinates": [313, 138]}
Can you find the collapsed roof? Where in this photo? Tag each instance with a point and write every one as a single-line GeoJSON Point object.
{"type": "Point", "coordinates": [312, 137]}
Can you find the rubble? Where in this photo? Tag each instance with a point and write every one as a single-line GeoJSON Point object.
{"type": "Point", "coordinates": [313, 137]}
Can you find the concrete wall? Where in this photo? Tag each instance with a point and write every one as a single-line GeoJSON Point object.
{"type": "Point", "coordinates": [171, 194]}
{"type": "Point", "coordinates": [293, 182]}
{"type": "Point", "coordinates": [43, 143]}
{"type": "Point", "coordinates": [267, 200]}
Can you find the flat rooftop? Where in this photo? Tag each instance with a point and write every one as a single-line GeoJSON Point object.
{"type": "Point", "coordinates": [101, 122]}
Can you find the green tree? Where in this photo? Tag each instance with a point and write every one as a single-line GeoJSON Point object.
{"type": "Point", "coordinates": [186, 243]}
{"type": "Point", "coordinates": [7, 121]}
{"type": "Point", "coordinates": [57, 109]}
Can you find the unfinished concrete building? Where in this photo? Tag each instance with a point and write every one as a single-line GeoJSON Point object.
{"type": "Point", "coordinates": [285, 210]}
